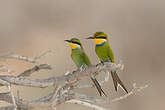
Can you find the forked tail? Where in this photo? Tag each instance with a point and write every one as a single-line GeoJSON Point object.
{"type": "Point", "coordinates": [98, 86]}
{"type": "Point", "coordinates": [116, 81]}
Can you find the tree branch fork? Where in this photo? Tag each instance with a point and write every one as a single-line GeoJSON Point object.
{"type": "Point", "coordinates": [64, 86]}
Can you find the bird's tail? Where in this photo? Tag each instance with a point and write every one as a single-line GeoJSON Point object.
{"type": "Point", "coordinates": [98, 86]}
{"type": "Point", "coordinates": [116, 81]}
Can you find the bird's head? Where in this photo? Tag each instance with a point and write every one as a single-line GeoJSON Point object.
{"type": "Point", "coordinates": [74, 43]}
{"type": "Point", "coordinates": [99, 38]}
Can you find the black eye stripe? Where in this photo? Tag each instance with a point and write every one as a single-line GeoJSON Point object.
{"type": "Point", "coordinates": [101, 37]}
{"type": "Point", "coordinates": [76, 42]}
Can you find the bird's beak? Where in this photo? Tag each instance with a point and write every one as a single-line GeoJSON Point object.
{"type": "Point", "coordinates": [68, 41]}
{"type": "Point", "coordinates": [91, 37]}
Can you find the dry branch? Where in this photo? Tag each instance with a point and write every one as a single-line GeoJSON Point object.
{"type": "Point", "coordinates": [82, 102]}
{"type": "Point", "coordinates": [25, 58]}
{"type": "Point", "coordinates": [7, 108]}
{"type": "Point", "coordinates": [61, 79]}
{"type": "Point", "coordinates": [61, 95]}
{"type": "Point", "coordinates": [64, 86]}
{"type": "Point", "coordinates": [110, 100]}
{"type": "Point", "coordinates": [34, 69]}
{"type": "Point", "coordinates": [4, 69]}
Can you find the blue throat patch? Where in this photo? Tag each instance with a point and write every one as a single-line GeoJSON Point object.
{"type": "Point", "coordinates": [97, 45]}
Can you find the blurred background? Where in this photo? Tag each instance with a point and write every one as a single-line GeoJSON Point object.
{"type": "Point", "coordinates": [136, 29]}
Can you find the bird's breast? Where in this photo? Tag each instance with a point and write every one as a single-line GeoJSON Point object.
{"type": "Point", "coordinates": [102, 53]}
{"type": "Point", "coordinates": [78, 59]}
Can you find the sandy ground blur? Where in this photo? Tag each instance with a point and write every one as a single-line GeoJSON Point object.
{"type": "Point", "coordinates": [136, 30]}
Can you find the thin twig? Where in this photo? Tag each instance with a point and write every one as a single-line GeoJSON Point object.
{"type": "Point", "coordinates": [87, 104]}
{"type": "Point", "coordinates": [7, 108]}
{"type": "Point", "coordinates": [34, 69]}
{"type": "Point", "coordinates": [12, 96]}
{"type": "Point", "coordinates": [4, 69]}
{"type": "Point", "coordinates": [53, 99]}
{"type": "Point", "coordinates": [25, 58]}
{"type": "Point", "coordinates": [106, 78]}
{"type": "Point", "coordinates": [133, 91]}
{"type": "Point", "coordinates": [110, 100]}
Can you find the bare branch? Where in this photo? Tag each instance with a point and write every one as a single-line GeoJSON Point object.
{"type": "Point", "coordinates": [25, 58]}
{"type": "Point", "coordinates": [62, 95]}
{"type": "Point", "coordinates": [64, 86]}
{"type": "Point", "coordinates": [12, 96]}
{"type": "Point", "coordinates": [61, 79]}
{"type": "Point", "coordinates": [90, 105]}
{"type": "Point", "coordinates": [133, 91]}
{"type": "Point", "coordinates": [46, 101]}
{"type": "Point", "coordinates": [106, 78]}
{"type": "Point", "coordinates": [3, 83]}
{"type": "Point", "coordinates": [109, 100]}
{"type": "Point", "coordinates": [53, 99]}
{"type": "Point", "coordinates": [34, 69]}
{"type": "Point", "coordinates": [7, 108]}
{"type": "Point", "coordinates": [4, 69]}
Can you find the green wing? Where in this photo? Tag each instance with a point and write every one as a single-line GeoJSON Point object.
{"type": "Point", "coordinates": [110, 54]}
{"type": "Point", "coordinates": [86, 60]}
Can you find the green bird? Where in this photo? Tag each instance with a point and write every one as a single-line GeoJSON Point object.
{"type": "Point", "coordinates": [105, 54]}
{"type": "Point", "coordinates": [82, 61]}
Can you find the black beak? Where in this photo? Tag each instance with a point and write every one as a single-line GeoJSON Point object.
{"type": "Point", "coordinates": [90, 37]}
{"type": "Point", "coordinates": [68, 41]}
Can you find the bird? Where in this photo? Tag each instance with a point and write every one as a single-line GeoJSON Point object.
{"type": "Point", "coordinates": [105, 54]}
{"type": "Point", "coordinates": [81, 60]}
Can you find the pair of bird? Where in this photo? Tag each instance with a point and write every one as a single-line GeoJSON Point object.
{"type": "Point", "coordinates": [103, 51]}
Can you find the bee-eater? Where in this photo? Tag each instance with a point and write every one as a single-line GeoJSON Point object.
{"type": "Point", "coordinates": [105, 54]}
{"type": "Point", "coordinates": [82, 61]}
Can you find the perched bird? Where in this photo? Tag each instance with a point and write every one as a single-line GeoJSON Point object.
{"type": "Point", "coordinates": [105, 54]}
{"type": "Point", "coordinates": [82, 61]}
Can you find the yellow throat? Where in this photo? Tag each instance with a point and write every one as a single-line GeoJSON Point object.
{"type": "Point", "coordinates": [99, 41]}
{"type": "Point", "coordinates": [74, 46]}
